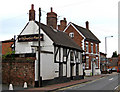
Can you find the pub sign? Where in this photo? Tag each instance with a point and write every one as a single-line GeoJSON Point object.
{"type": "Point", "coordinates": [29, 38]}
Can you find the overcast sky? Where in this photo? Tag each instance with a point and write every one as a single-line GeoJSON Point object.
{"type": "Point", "coordinates": [101, 14]}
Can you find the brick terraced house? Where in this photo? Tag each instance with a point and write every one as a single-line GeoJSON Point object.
{"type": "Point", "coordinates": [89, 43]}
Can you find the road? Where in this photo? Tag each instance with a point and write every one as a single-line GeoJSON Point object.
{"type": "Point", "coordinates": [108, 84]}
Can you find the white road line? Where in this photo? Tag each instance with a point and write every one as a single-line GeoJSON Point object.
{"type": "Point", "coordinates": [116, 87]}
{"type": "Point", "coordinates": [111, 79]}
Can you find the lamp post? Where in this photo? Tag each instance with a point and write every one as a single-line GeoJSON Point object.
{"type": "Point", "coordinates": [106, 47]}
{"type": "Point", "coordinates": [106, 44]}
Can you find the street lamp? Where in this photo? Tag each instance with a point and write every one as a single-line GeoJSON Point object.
{"type": "Point", "coordinates": [106, 47]}
{"type": "Point", "coordinates": [106, 44]}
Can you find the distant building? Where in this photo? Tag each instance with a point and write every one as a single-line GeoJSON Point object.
{"type": "Point", "coordinates": [113, 63]}
{"type": "Point", "coordinates": [7, 46]}
{"type": "Point", "coordinates": [119, 60]}
{"type": "Point", "coordinates": [89, 43]}
{"type": "Point", "coordinates": [103, 63]}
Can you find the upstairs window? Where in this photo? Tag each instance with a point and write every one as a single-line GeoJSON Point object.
{"type": "Point", "coordinates": [86, 46]}
{"type": "Point", "coordinates": [71, 35]}
{"type": "Point", "coordinates": [91, 47]}
{"type": "Point", "coordinates": [96, 48]}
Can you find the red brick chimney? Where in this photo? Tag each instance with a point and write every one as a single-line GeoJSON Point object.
{"type": "Point", "coordinates": [52, 19]}
{"type": "Point", "coordinates": [63, 24]}
{"type": "Point", "coordinates": [32, 13]}
{"type": "Point", "coordinates": [87, 25]}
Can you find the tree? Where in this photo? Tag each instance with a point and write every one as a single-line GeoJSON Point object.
{"type": "Point", "coordinates": [115, 54]}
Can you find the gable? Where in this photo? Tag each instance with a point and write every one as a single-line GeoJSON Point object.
{"type": "Point", "coordinates": [77, 36]}
{"type": "Point", "coordinates": [87, 34]}
{"type": "Point", "coordinates": [72, 28]}
{"type": "Point", "coordinates": [30, 28]}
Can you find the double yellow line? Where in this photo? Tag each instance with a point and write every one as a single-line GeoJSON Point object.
{"type": "Point", "coordinates": [74, 85]}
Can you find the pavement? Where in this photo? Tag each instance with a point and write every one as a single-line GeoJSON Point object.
{"type": "Point", "coordinates": [56, 87]}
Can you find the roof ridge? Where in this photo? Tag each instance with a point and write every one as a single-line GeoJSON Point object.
{"type": "Point", "coordinates": [86, 32]}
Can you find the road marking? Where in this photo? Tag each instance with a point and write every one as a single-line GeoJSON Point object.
{"type": "Point", "coordinates": [111, 79]}
{"type": "Point", "coordinates": [116, 87]}
{"type": "Point", "coordinates": [81, 84]}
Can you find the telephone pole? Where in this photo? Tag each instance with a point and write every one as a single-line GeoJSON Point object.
{"type": "Point", "coordinates": [39, 50]}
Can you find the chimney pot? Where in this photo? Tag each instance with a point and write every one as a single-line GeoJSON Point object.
{"type": "Point", "coordinates": [51, 9]}
{"type": "Point", "coordinates": [52, 19]}
{"type": "Point", "coordinates": [65, 19]}
{"type": "Point", "coordinates": [32, 7]}
{"type": "Point", "coordinates": [87, 25]}
{"type": "Point", "coordinates": [32, 13]}
{"type": "Point", "coordinates": [63, 24]}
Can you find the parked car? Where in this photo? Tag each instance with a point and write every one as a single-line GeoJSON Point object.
{"type": "Point", "coordinates": [114, 70]}
{"type": "Point", "coordinates": [109, 70]}
{"type": "Point", "coordinates": [118, 70]}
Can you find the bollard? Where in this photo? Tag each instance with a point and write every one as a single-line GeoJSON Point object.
{"type": "Point", "coordinates": [25, 84]}
{"type": "Point", "coordinates": [10, 87]}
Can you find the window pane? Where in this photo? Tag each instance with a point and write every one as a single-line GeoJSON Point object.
{"type": "Point", "coordinates": [86, 46]}
{"type": "Point", "coordinates": [91, 48]}
{"type": "Point", "coordinates": [87, 62]}
{"type": "Point", "coordinates": [96, 48]}
{"type": "Point", "coordinates": [71, 34]}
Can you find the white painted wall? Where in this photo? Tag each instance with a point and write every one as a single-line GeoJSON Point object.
{"type": "Point", "coordinates": [47, 66]}
{"type": "Point", "coordinates": [25, 47]}
{"type": "Point", "coordinates": [68, 66]}
{"type": "Point", "coordinates": [56, 69]}
{"type": "Point", "coordinates": [87, 72]}
{"type": "Point", "coordinates": [64, 69]}
{"type": "Point", "coordinates": [97, 72]}
{"type": "Point", "coordinates": [80, 69]}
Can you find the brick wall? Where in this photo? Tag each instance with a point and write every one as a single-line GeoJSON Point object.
{"type": "Point", "coordinates": [18, 71]}
{"type": "Point", "coordinates": [6, 47]}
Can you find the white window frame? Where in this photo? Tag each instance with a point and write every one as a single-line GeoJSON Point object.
{"type": "Point", "coordinates": [71, 34]}
{"type": "Point", "coordinates": [96, 49]}
{"type": "Point", "coordinates": [87, 47]}
{"type": "Point", "coordinates": [87, 65]}
{"type": "Point", "coordinates": [96, 62]}
{"type": "Point", "coordinates": [91, 47]}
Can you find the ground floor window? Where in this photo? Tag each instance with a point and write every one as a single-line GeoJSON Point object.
{"type": "Point", "coordinates": [96, 62]}
{"type": "Point", "coordinates": [77, 69]}
{"type": "Point", "coordinates": [87, 62]}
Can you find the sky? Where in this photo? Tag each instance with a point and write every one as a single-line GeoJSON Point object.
{"type": "Point", "coordinates": [101, 14]}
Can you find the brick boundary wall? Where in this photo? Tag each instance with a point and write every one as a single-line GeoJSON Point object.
{"type": "Point", "coordinates": [18, 71]}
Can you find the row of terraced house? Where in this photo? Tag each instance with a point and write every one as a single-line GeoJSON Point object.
{"type": "Point", "coordinates": [67, 51]}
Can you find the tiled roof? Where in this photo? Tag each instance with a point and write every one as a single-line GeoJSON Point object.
{"type": "Point", "coordinates": [87, 33]}
{"type": "Point", "coordinates": [59, 38]}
